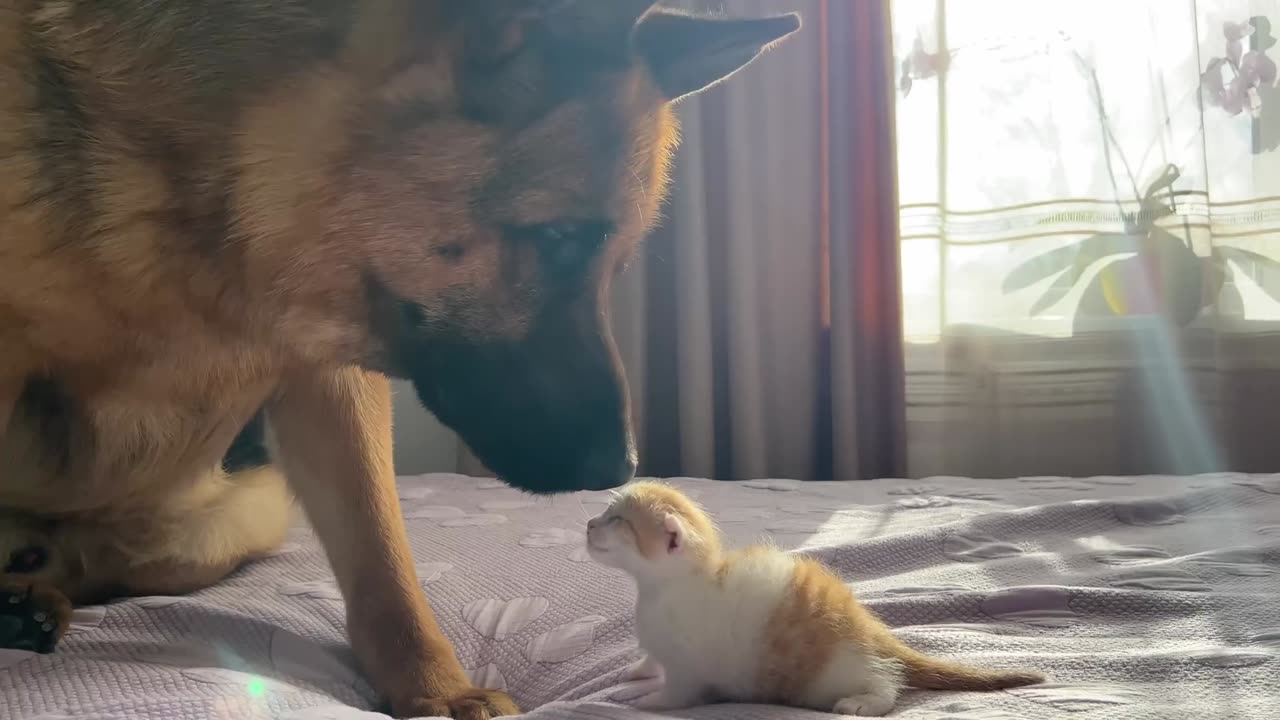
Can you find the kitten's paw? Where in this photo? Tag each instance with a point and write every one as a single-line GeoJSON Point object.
{"type": "Point", "coordinates": [646, 669]}
{"type": "Point", "coordinates": [868, 705]}
{"type": "Point", "coordinates": [656, 701]}
{"type": "Point", "coordinates": [630, 692]}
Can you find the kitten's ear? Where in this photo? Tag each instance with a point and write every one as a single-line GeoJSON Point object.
{"type": "Point", "coordinates": [677, 536]}
{"type": "Point", "coordinates": [688, 54]}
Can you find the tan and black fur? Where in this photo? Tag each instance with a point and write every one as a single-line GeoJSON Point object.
{"type": "Point", "coordinates": [218, 216]}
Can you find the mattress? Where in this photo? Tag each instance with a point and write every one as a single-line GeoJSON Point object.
{"type": "Point", "coordinates": [1147, 597]}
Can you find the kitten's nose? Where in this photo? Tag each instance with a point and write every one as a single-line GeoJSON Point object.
{"type": "Point", "coordinates": [593, 523]}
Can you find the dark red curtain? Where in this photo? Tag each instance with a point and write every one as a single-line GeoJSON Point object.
{"type": "Point", "coordinates": [859, 431]}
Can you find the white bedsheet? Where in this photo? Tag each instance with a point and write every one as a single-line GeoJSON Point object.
{"type": "Point", "coordinates": [1141, 597]}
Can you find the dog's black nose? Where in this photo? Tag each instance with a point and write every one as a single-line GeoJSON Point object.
{"type": "Point", "coordinates": [604, 468]}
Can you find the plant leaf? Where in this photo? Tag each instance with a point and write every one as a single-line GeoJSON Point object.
{"type": "Point", "coordinates": [1052, 296]}
{"type": "Point", "coordinates": [1265, 271]}
{"type": "Point", "coordinates": [1035, 269]}
{"type": "Point", "coordinates": [1167, 177]}
{"type": "Point", "coordinates": [1078, 256]}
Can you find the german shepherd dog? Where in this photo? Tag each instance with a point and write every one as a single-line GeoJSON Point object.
{"type": "Point", "coordinates": [219, 217]}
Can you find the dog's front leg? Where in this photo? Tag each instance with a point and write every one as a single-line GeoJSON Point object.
{"type": "Point", "coordinates": [333, 429]}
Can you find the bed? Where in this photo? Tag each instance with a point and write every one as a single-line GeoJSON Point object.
{"type": "Point", "coordinates": [1147, 597]}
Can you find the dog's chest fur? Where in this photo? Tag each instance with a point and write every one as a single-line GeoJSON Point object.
{"type": "Point", "coordinates": [131, 348]}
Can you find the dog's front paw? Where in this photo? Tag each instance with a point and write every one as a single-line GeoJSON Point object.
{"type": "Point", "coordinates": [32, 616]}
{"type": "Point", "coordinates": [465, 704]}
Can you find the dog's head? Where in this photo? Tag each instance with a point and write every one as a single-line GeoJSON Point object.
{"type": "Point", "coordinates": [497, 163]}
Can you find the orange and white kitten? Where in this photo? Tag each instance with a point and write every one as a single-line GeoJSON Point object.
{"type": "Point", "coordinates": [755, 625]}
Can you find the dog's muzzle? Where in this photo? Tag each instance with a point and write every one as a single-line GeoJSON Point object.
{"type": "Point", "coordinates": [548, 413]}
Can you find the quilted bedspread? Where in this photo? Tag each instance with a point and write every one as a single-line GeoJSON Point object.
{"type": "Point", "coordinates": [1147, 597]}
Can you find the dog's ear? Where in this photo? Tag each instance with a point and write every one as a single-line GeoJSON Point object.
{"type": "Point", "coordinates": [688, 54]}
{"type": "Point", "coordinates": [501, 27]}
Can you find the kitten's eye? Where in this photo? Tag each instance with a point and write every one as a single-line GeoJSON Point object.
{"type": "Point", "coordinates": [27, 560]}
{"type": "Point", "coordinates": [567, 247]}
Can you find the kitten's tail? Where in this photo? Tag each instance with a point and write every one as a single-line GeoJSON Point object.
{"type": "Point", "coordinates": [927, 673]}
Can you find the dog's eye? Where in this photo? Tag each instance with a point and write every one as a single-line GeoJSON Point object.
{"type": "Point", "coordinates": [568, 247]}
{"type": "Point", "coordinates": [614, 519]}
{"type": "Point", "coordinates": [27, 560]}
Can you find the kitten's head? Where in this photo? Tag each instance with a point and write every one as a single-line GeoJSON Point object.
{"type": "Point", "coordinates": [652, 530]}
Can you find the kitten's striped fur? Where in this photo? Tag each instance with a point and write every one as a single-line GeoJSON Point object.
{"type": "Point", "coordinates": [757, 624]}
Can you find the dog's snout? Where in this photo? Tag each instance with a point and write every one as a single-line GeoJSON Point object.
{"type": "Point", "coordinates": [604, 468]}
{"type": "Point", "coordinates": [593, 523]}
{"type": "Point", "coordinates": [548, 414]}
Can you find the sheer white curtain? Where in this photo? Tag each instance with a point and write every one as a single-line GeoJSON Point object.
{"type": "Point", "coordinates": [1090, 220]}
